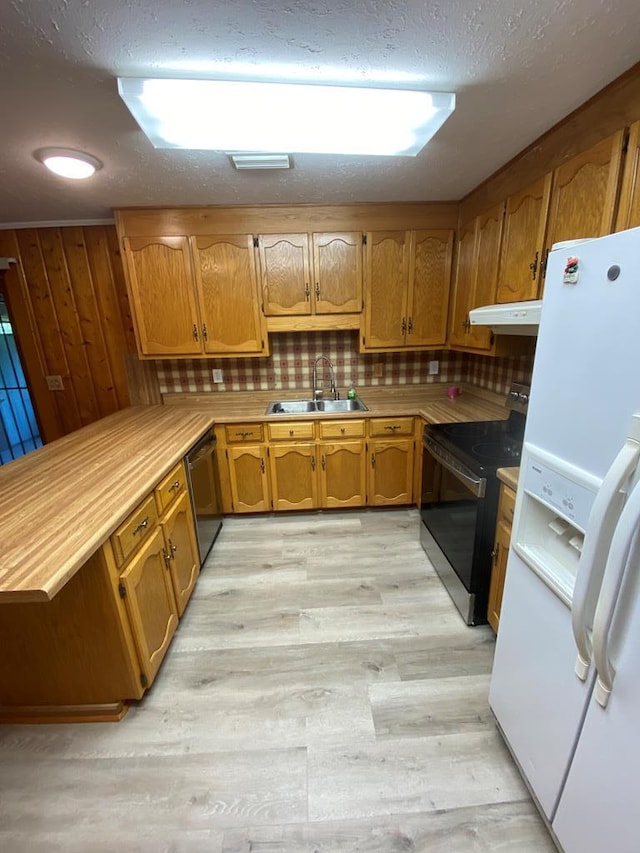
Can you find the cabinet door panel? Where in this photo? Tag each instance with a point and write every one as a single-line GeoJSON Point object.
{"type": "Point", "coordinates": [226, 279]}
{"type": "Point", "coordinates": [163, 297]}
{"type": "Point", "coordinates": [337, 263]}
{"type": "Point", "coordinates": [584, 192]}
{"type": "Point", "coordinates": [150, 604]}
{"type": "Point", "coordinates": [429, 278]}
{"type": "Point", "coordinates": [181, 544]}
{"type": "Point", "coordinates": [629, 207]}
{"type": "Point", "coordinates": [293, 476]}
{"type": "Point", "coordinates": [498, 573]}
{"type": "Point", "coordinates": [343, 474]}
{"type": "Point", "coordinates": [391, 472]}
{"type": "Point", "coordinates": [387, 271]}
{"type": "Point", "coordinates": [523, 242]}
{"type": "Point", "coordinates": [286, 281]}
{"type": "Point", "coordinates": [463, 283]}
{"type": "Point", "coordinates": [486, 272]}
{"type": "Point", "coordinates": [249, 479]}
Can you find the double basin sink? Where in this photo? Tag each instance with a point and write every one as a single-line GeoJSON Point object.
{"type": "Point", "coordinates": [305, 407]}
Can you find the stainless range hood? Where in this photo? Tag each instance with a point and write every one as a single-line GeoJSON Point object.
{"type": "Point", "coordinates": [510, 318]}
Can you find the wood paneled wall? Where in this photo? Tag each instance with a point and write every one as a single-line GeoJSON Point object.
{"type": "Point", "coordinates": [71, 315]}
{"type": "Point", "coordinates": [614, 107]}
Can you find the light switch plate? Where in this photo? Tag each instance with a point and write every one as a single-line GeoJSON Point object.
{"type": "Point", "coordinates": [434, 367]}
{"type": "Point", "coordinates": [54, 383]}
{"type": "Point", "coordinates": [217, 375]}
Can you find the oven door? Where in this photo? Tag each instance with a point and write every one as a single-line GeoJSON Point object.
{"type": "Point", "coordinates": [453, 529]}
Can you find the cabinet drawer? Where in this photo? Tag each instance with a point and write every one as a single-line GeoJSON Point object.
{"type": "Point", "coordinates": [507, 504]}
{"type": "Point", "coordinates": [390, 426]}
{"type": "Point", "coordinates": [170, 488]}
{"type": "Point", "coordinates": [342, 429]}
{"type": "Point", "coordinates": [134, 530]}
{"type": "Point", "coordinates": [285, 431]}
{"type": "Point", "coordinates": [243, 432]}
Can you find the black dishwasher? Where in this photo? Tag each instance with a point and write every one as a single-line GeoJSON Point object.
{"type": "Point", "coordinates": [204, 488]}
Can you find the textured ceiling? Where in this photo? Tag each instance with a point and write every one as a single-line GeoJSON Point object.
{"type": "Point", "coordinates": [517, 68]}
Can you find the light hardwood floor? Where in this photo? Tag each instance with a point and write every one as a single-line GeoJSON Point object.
{"type": "Point", "coordinates": [321, 696]}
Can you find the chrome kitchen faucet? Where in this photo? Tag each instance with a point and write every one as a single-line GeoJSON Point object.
{"type": "Point", "coordinates": [317, 392]}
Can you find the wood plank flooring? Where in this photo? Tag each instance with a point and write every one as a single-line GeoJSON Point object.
{"type": "Point", "coordinates": [321, 695]}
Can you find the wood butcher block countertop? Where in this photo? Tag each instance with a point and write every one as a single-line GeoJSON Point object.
{"type": "Point", "coordinates": [509, 476]}
{"type": "Point", "coordinates": [61, 502]}
{"type": "Point", "coordinates": [427, 401]}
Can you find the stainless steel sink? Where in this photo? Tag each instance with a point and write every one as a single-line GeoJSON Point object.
{"type": "Point", "coordinates": [355, 405]}
{"type": "Point", "coordinates": [304, 407]}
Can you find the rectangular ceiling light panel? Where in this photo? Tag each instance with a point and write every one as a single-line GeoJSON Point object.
{"type": "Point", "coordinates": [223, 115]}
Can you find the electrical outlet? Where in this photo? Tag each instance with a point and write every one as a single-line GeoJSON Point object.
{"type": "Point", "coordinates": [217, 375]}
{"type": "Point", "coordinates": [434, 367]}
{"type": "Point", "coordinates": [54, 383]}
{"type": "Point", "coordinates": [377, 369]}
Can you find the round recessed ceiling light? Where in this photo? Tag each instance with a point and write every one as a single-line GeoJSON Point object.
{"type": "Point", "coordinates": [68, 163]}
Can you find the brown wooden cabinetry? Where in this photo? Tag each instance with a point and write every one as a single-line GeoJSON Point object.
{"type": "Point", "coordinates": [500, 554]}
{"type": "Point", "coordinates": [343, 463]}
{"type": "Point", "coordinates": [194, 296]}
{"type": "Point", "coordinates": [523, 242]}
{"type": "Point", "coordinates": [100, 641]}
{"type": "Point", "coordinates": [311, 273]}
{"type": "Point", "coordinates": [145, 584]}
{"type": "Point", "coordinates": [584, 194]}
{"type": "Point", "coordinates": [391, 451]}
{"type": "Point", "coordinates": [629, 206]}
{"type": "Point", "coordinates": [407, 279]}
{"type": "Point", "coordinates": [294, 481]}
{"type": "Point", "coordinates": [181, 548]}
{"type": "Point", "coordinates": [476, 278]}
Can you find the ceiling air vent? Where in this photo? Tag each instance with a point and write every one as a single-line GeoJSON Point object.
{"type": "Point", "coordinates": [261, 161]}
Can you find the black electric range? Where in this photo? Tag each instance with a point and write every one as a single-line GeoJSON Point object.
{"type": "Point", "coordinates": [460, 492]}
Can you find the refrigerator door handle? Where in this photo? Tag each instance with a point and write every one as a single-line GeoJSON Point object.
{"type": "Point", "coordinates": [625, 542]}
{"type": "Point", "coordinates": [604, 515]}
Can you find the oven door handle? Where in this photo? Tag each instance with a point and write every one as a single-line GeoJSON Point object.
{"type": "Point", "coordinates": [476, 484]}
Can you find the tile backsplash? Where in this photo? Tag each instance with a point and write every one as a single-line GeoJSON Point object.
{"type": "Point", "coordinates": [290, 367]}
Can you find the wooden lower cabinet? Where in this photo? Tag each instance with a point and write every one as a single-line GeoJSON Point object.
{"type": "Point", "coordinates": [343, 474]}
{"type": "Point", "coordinates": [307, 465]}
{"type": "Point", "coordinates": [148, 591]}
{"type": "Point", "coordinates": [181, 546]}
{"type": "Point", "coordinates": [249, 478]}
{"type": "Point", "coordinates": [500, 554]}
{"type": "Point", "coordinates": [294, 484]}
{"type": "Point", "coordinates": [390, 471]}
{"type": "Point", "coordinates": [100, 641]}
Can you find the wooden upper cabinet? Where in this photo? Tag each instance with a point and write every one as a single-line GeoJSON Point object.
{"type": "Point", "coordinates": [476, 277]}
{"type": "Point", "coordinates": [407, 279]}
{"type": "Point", "coordinates": [162, 296]}
{"type": "Point", "coordinates": [464, 282]}
{"type": "Point", "coordinates": [337, 266]}
{"type": "Point", "coordinates": [227, 287]}
{"type": "Point", "coordinates": [286, 276]}
{"type": "Point", "coordinates": [629, 206]}
{"type": "Point", "coordinates": [311, 274]}
{"type": "Point", "coordinates": [429, 283]}
{"type": "Point", "coordinates": [523, 242]}
{"type": "Point", "coordinates": [488, 240]}
{"type": "Point", "coordinates": [584, 193]}
{"type": "Point", "coordinates": [386, 275]}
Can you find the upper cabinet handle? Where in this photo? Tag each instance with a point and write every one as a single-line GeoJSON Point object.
{"type": "Point", "coordinates": [307, 291]}
{"type": "Point", "coordinates": [195, 332]}
{"type": "Point", "coordinates": [533, 266]}
{"type": "Point", "coordinates": [317, 290]}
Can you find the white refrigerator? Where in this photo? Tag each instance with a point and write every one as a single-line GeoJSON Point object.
{"type": "Point", "coordinates": [565, 688]}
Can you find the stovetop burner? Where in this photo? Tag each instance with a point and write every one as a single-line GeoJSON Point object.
{"type": "Point", "coordinates": [498, 451]}
{"type": "Point", "coordinates": [483, 446]}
